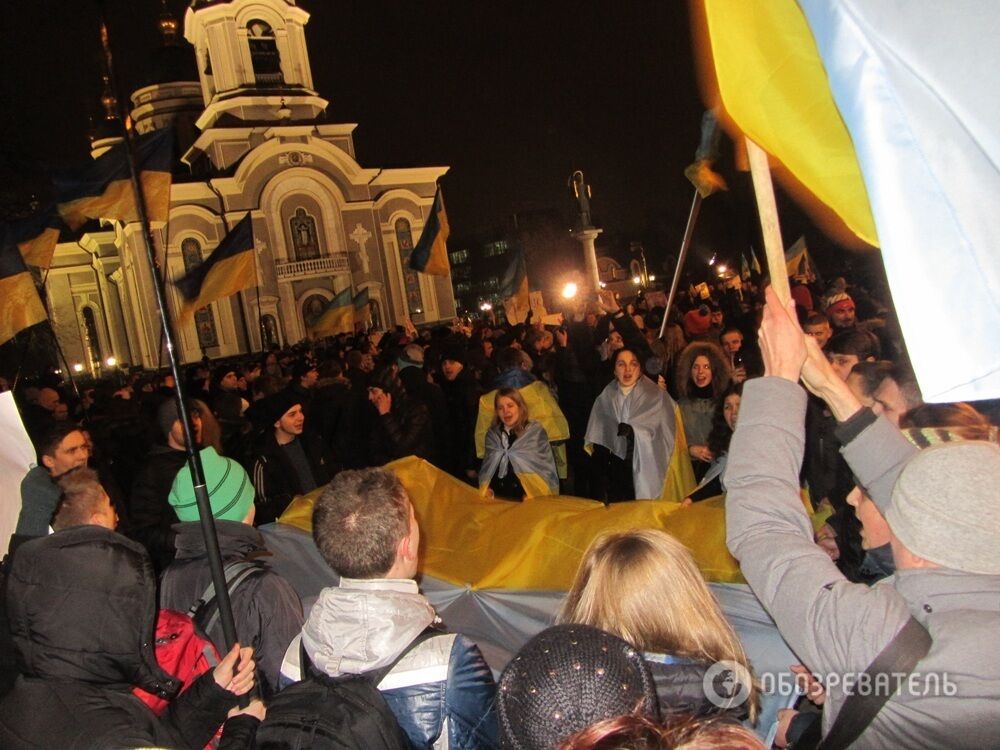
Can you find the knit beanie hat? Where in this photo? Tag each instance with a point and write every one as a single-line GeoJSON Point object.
{"type": "Point", "coordinates": [697, 321]}
{"type": "Point", "coordinates": [567, 678]}
{"type": "Point", "coordinates": [275, 406]}
{"type": "Point", "coordinates": [944, 506]}
{"type": "Point", "coordinates": [168, 413]}
{"type": "Point", "coordinates": [230, 491]}
{"type": "Point", "coordinates": [454, 353]}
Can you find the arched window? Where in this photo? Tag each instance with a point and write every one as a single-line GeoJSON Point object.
{"type": "Point", "coordinates": [264, 53]}
{"type": "Point", "coordinates": [305, 243]}
{"type": "Point", "coordinates": [93, 343]}
{"type": "Point", "coordinates": [404, 238]}
{"type": "Point", "coordinates": [204, 321]}
{"type": "Point", "coordinates": [270, 326]}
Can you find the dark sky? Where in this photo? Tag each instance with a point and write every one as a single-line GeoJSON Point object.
{"type": "Point", "coordinates": [512, 96]}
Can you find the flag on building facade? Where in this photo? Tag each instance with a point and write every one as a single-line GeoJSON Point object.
{"type": "Point", "coordinates": [103, 190]}
{"type": "Point", "coordinates": [362, 309]}
{"type": "Point", "coordinates": [430, 255]}
{"type": "Point", "coordinates": [229, 269]}
{"type": "Point", "coordinates": [35, 236]}
{"type": "Point", "coordinates": [337, 316]}
{"type": "Point", "coordinates": [20, 305]}
{"type": "Point", "coordinates": [514, 289]}
{"type": "Point", "coordinates": [885, 119]}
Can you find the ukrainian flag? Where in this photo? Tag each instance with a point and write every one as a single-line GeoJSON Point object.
{"type": "Point", "coordinates": [361, 300]}
{"type": "Point", "coordinates": [430, 256]}
{"type": "Point", "coordinates": [35, 237]}
{"type": "Point", "coordinates": [514, 289]}
{"type": "Point", "coordinates": [103, 190]}
{"type": "Point", "coordinates": [20, 305]}
{"type": "Point", "coordinates": [337, 317]}
{"type": "Point", "coordinates": [226, 271]}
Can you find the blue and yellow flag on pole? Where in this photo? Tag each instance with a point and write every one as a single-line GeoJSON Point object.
{"type": "Point", "coordinates": [35, 236]}
{"type": "Point", "coordinates": [514, 289]}
{"type": "Point", "coordinates": [103, 190]}
{"type": "Point", "coordinates": [229, 269]}
{"type": "Point", "coordinates": [20, 305]}
{"type": "Point", "coordinates": [361, 309]}
{"type": "Point", "coordinates": [337, 316]}
{"type": "Point", "coordinates": [430, 256]}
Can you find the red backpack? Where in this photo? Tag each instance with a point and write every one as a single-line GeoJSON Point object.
{"type": "Point", "coordinates": [182, 652]}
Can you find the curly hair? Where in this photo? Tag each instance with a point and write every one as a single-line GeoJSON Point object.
{"type": "Point", "coordinates": [722, 372]}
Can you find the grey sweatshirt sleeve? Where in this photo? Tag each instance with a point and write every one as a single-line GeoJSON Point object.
{"type": "Point", "coordinates": [831, 624]}
{"type": "Point", "coordinates": [877, 456]}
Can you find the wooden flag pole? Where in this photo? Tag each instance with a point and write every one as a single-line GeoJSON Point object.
{"type": "Point", "coordinates": [769, 227]}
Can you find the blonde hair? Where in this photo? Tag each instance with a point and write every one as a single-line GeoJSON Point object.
{"type": "Point", "coordinates": [644, 586]}
{"type": "Point", "coordinates": [522, 415]}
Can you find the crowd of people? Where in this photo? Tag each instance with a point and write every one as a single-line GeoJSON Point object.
{"type": "Point", "coordinates": [901, 534]}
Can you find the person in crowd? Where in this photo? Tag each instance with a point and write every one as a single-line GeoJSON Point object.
{"type": "Point", "coordinates": [266, 610]}
{"type": "Point", "coordinates": [82, 611]}
{"type": "Point", "coordinates": [461, 394]}
{"type": "Point", "coordinates": [227, 407]}
{"type": "Point", "coordinates": [39, 410]}
{"type": "Point", "coordinates": [944, 529]}
{"type": "Point", "coordinates": [727, 411]}
{"type": "Point", "coordinates": [150, 515]}
{"type": "Point", "coordinates": [897, 394]}
{"type": "Point", "coordinates": [703, 373]}
{"type": "Point", "coordinates": [441, 691]}
{"type": "Point", "coordinates": [420, 389]}
{"type": "Point", "coordinates": [848, 347]}
{"type": "Point", "coordinates": [818, 326]}
{"type": "Point", "coordinates": [403, 426]}
{"type": "Point", "coordinates": [928, 424]}
{"type": "Point", "coordinates": [864, 378]}
{"type": "Point", "coordinates": [83, 502]}
{"type": "Point", "coordinates": [567, 678]}
{"type": "Point", "coordinates": [645, 587]}
{"type": "Point", "coordinates": [641, 733]}
{"type": "Point", "coordinates": [289, 459]}
{"type": "Point", "coordinates": [840, 309]}
{"type": "Point", "coordinates": [631, 429]}
{"type": "Point", "coordinates": [271, 366]}
{"type": "Point", "coordinates": [518, 461]}
{"type": "Point", "coordinates": [62, 449]}
{"type": "Point", "coordinates": [332, 406]}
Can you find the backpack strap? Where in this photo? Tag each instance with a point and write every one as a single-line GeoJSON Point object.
{"type": "Point", "coordinates": [307, 669]}
{"type": "Point", "coordinates": [895, 661]}
{"type": "Point", "coordinates": [236, 573]}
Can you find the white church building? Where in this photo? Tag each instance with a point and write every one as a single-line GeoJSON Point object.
{"type": "Point", "coordinates": [252, 137]}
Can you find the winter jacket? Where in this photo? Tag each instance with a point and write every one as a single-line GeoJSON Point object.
{"type": "Point", "coordinates": [462, 399]}
{"type": "Point", "coordinates": [82, 607]}
{"type": "Point", "coordinates": [39, 498]}
{"type": "Point", "coordinates": [441, 692]}
{"type": "Point", "coordinates": [266, 609]}
{"type": "Point", "coordinates": [275, 478]}
{"type": "Point", "coordinates": [837, 627]}
{"type": "Point", "coordinates": [150, 515]}
{"type": "Point", "coordinates": [680, 687]}
{"type": "Point", "coordinates": [405, 431]}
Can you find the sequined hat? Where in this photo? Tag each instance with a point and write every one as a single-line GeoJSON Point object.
{"type": "Point", "coordinates": [567, 678]}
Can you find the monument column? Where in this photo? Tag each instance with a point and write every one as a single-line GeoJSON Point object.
{"type": "Point", "coordinates": [585, 232]}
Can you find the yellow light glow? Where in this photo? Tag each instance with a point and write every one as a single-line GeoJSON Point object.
{"type": "Point", "coordinates": [569, 291]}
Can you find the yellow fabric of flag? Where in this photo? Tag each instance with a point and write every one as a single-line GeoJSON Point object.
{"type": "Point", "coordinates": [774, 87]}
{"type": "Point", "coordinates": [20, 305]}
{"type": "Point", "coordinates": [225, 278]}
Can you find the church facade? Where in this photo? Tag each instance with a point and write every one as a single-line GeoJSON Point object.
{"type": "Point", "coordinates": [252, 138]}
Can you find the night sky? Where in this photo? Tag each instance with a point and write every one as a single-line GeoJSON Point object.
{"type": "Point", "coordinates": [512, 97]}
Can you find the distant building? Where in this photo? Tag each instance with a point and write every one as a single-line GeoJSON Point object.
{"type": "Point", "coordinates": [252, 137]}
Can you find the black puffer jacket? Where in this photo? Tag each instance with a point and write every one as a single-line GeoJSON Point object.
{"type": "Point", "coordinates": [82, 610]}
{"type": "Point", "coordinates": [680, 687]}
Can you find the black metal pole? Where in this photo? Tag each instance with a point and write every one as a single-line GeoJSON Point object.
{"type": "Point", "coordinates": [159, 290]}
{"type": "Point", "coordinates": [685, 245]}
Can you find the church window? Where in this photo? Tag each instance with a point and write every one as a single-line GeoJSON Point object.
{"type": "Point", "coordinates": [305, 242]}
{"type": "Point", "coordinates": [264, 53]}
{"type": "Point", "coordinates": [204, 321]}
{"type": "Point", "coordinates": [411, 283]}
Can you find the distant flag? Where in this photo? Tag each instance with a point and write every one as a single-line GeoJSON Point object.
{"type": "Point", "coordinates": [337, 316]}
{"type": "Point", "coordinates": [20, 305]}
{"type": "Point", "coordinates": [361, 308]}
{"type": "Point", "coordinates": [755, 264]}
{"type": "Point", "coordinates": [798, 264]}
{"type": "Point", "coordinates": [744, 268]}
{"type": "Point", "coordinates": [103, 190]}
{"type": "Point", "coordinates": [226, 271]}
{"type": "Point", "coordinates": [705, 180]}
{"type": "Point", "coordinates": [35, 236]}
{"type": "Point", "coordinates": [514, 289]}
{"type": "Point", "coordinates": [430, 256]}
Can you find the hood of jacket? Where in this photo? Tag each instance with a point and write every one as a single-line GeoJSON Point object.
{"type": "Point", "coordinates": [236, 539]}
{"type": "Point", "coordinates": [82, 607]}
{"type": "Point", "coordinates": [513, 378]}
{"type": "Point", "coordinates": [364, 625]}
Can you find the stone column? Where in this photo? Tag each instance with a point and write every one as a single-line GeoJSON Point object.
{"type": "Point", "coordinates": [586, 237]}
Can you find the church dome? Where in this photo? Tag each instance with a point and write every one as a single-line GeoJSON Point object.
{"type": "Point", "coordinates": [196, 4]}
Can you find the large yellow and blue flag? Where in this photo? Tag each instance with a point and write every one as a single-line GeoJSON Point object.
{"type": "Point", "coordinates": [361, 305]}
{"type": "Point", "coordinates": [35, 236]}
{"type": "Point", "coordinates": [430, 256]}
{"type": "Point", "coordinates": [226, 271]}
{"type": "Point", "coordinates": [514, 288]}
{"type": "Point", "coordinates": [103, 190]}
{"type": "Point", "coordinates": [337, 316]}
{"type": "Point", "coordinates": [20, 305]}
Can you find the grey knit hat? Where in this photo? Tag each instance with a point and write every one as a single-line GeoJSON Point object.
{"type": "Point", "coordinates": [944, 506]}
{"type": "Point", "coordinates": [567, 678]}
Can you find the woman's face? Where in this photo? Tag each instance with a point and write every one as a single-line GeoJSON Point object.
{"type": "Point", "coordinates": [701, 371]}
{"type": "Point", "coordinates": [615, 341]}
{"type": "Point", "coordinates": [488, 348]}
{"type": "Point", "coordinates": [627, 370]}
{"type": "Point", "coordinates": [731, 409]}
{"type": "Point", "coordinates": [508, 411]}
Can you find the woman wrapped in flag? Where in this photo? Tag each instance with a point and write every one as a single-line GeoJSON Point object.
{"type": "Point", "coordinates": [518, 462]}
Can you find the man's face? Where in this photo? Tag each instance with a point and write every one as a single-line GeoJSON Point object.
{"type": "Point", "coordinates": [292, 421]}
{"type": "Point", "coordinates": [889, 401]}
{"type": "Point", "coordinates": [451, 369]}
{"type": "Point", "coordinates": [732, 341]}
{"type": "Point", "coordinates": [48, 399]}
{"type": "Point", "coordinates": [229, 381]}
{"type": "Point", "coordinates": [177, 431]}
{"type": "Point", "coordinates": [309, 379]}
{"type": "Point", "coordinates": [716, 317]}
{"type": "Point", "coordinates": [71, 453]}
{"type": "Point", "coordinates": [367, 363]}
{"type": "Point", "coordinates": [841, 314]}
{"type": "Point", "coordinates": [874, 529]}
{"type": "Point", "coordinates": [843, 364]}
{"type": "Point", "coordinates": [821, 332]}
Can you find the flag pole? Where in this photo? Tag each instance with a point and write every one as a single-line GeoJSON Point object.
{"type": "Point", "coordinates": [194, 459]}
{"type": "Point", "coordinates": [767, 209]}
{"type": "Point", "coordinates": [256, 281]}
{"type": "Point", "coordinates": [682, 255]}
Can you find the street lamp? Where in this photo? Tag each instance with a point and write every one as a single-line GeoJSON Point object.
{"type": "Point", "coordinates": [111, 361]}
{"type": "Point", "coordinates": [636, 280]}
{"type": "Point", "coordinates": [77, 367]}
{"type": "Point", "coordinates": [569, 290]}
{"type": "Point", "coordinates": [485, 307]}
